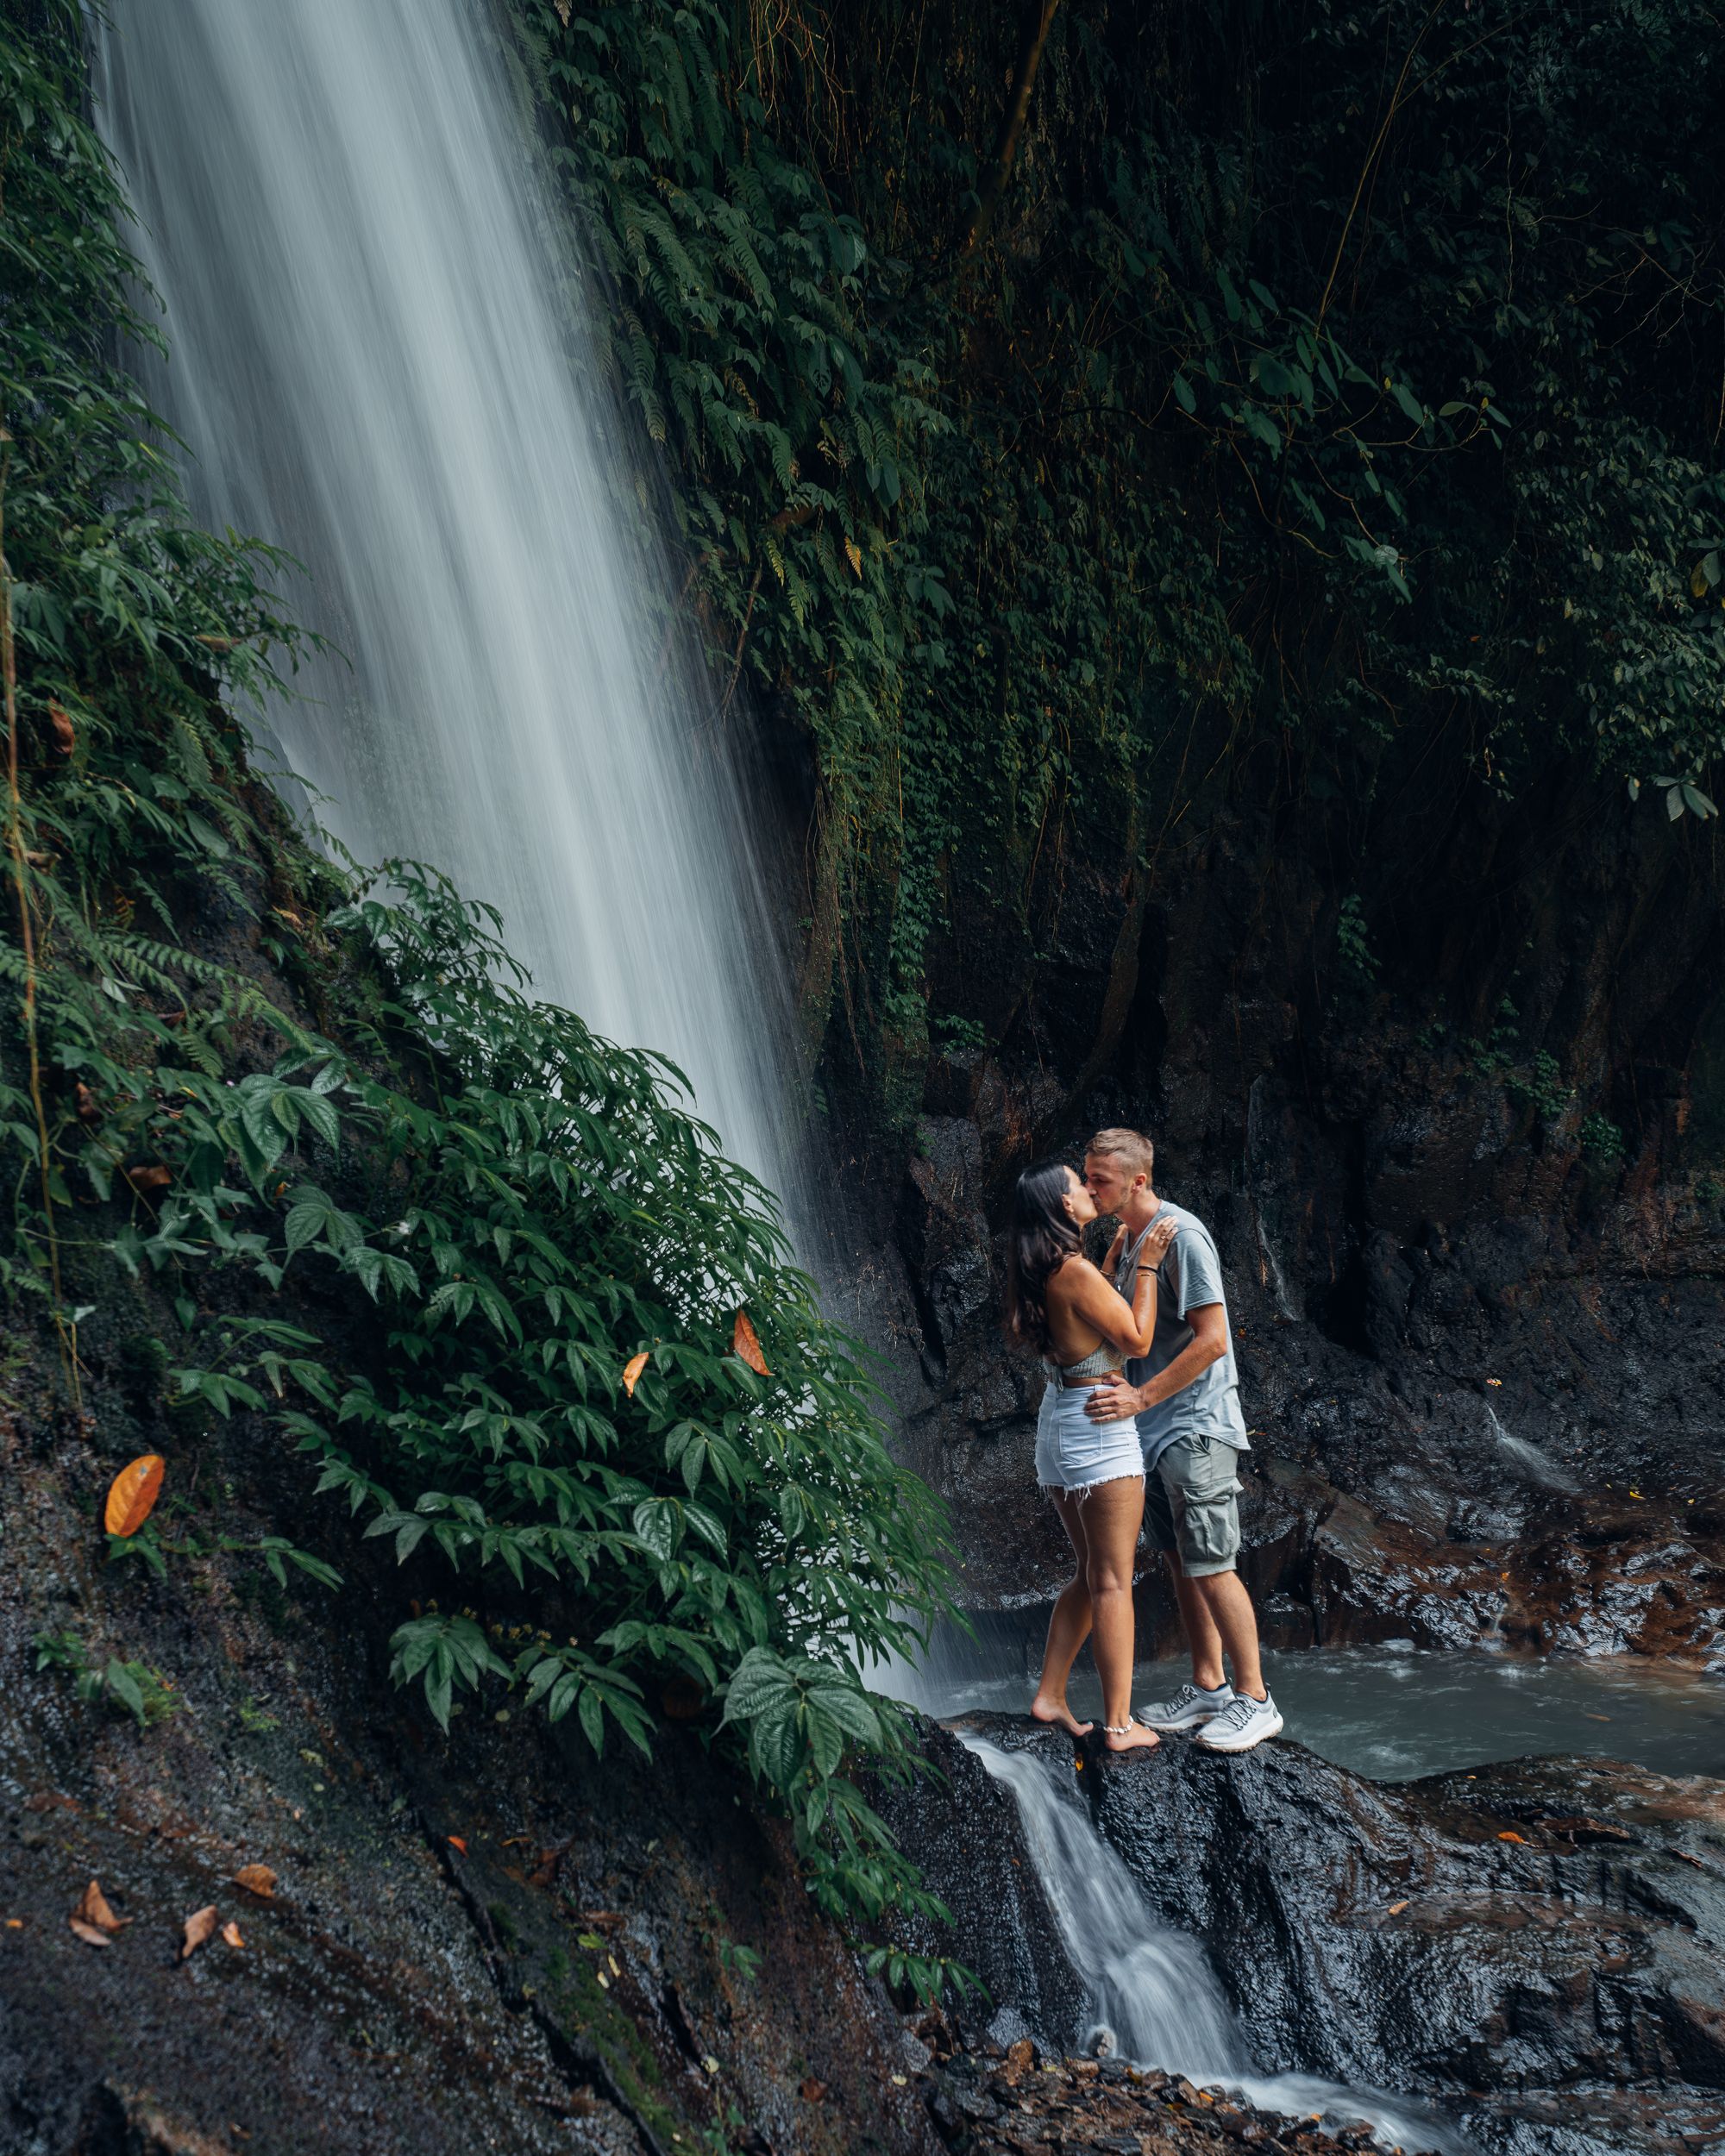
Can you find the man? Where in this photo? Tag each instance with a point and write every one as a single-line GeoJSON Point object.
{"type": "Point", "coordinates": [1185, 1395]}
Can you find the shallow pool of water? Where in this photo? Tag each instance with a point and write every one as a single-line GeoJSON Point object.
{"type": "Point", "coordinates": [1392, 1711]}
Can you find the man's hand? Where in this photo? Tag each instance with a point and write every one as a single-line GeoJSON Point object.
{"type": "Point", "coordinates": [1113, 1400]}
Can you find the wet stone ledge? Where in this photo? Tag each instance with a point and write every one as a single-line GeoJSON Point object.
{"type": "Point", "coordinates": [997, 2107]}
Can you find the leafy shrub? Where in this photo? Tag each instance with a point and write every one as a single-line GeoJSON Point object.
{"type": "Point", "coordinates": [128, 1687]}
{"type": "Point", "coordinates": [523, 1207]}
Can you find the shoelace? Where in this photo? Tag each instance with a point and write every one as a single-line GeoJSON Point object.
{"type": "Point", "coordinates": [1240, 1711]}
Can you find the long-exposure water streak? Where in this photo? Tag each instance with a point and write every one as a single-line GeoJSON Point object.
{"type": "Point", "coordinates": [380, 362]}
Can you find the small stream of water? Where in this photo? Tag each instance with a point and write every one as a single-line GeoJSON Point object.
{"type": "Point", "coordinates": [1154, 1988]}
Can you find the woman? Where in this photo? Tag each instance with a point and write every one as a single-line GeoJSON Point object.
{"type": "Point", "coordinates": [1059, 1304]}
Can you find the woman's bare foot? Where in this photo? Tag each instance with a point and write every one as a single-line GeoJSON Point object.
{"type": "Point", "coordinates": [1060, 1714]}
{"type": "Point", "coordinates": [1134, 1736]}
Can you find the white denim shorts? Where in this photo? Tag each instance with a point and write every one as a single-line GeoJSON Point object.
{"type": "Point", "coordinates": [1075, 1454]}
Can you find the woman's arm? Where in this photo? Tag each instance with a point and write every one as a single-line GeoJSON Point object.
{"type": "Point", "coordinates": [1090, 1297]}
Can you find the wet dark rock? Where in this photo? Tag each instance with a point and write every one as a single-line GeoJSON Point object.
{"type": "Point", "coordinates": [981, 2109]}
{"type": "Point", "coordinates": [1530, 1944]}
{"type": "Point", "coordinates": [489, 1942]}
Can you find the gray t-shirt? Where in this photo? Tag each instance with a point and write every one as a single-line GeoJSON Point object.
{"type": "Point", "coordinates": [1190, 1275]}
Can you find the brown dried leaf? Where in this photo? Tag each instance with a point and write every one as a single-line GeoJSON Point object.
{"type": "Point", "coordinates": [133, 1493]}
{"type": "Point", "coordinates": [88, 1111]}
{"type": "Point", "coordinates": [813, 2090]}
{"type": "Point", "coordinates": [145, 1180]}
{"type": "Point", "coordinates": [1507, 1836]}
{"type": "Point", "coordinates": [65, 733]}
{"type": "Point", "coordinates": [94, 1909]}
{"type": "Point", "coordinates": [198, 1926]}
{"type": "Point", "coordinates": [456, 1842]}
{"type": "Point", "coordinates": [746, 1345]}
{"type": "Point", "coordinates": [631, 1372]}
{"type": "Point", "coordinates": [88, 1933]}
{"type": "Point", "coordinates": [1396, 1907]}
{"type": "Point", "coordinates": [230, 1934]}
{"type": "Point", "coordinates": [256, 1878]}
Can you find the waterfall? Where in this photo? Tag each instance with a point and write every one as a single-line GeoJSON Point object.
{"type": "Point", "coordinates": [379, 362]}
{"type": "Point", "coordinates": [1155, 1988]}
{"type": "Point", "coordinates": [1537, 1466]}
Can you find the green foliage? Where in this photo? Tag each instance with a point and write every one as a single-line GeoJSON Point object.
{"type": "Point", "coordinates": [1354, 944]}
{"type": "Point", "coordinates": [1335, 385]}
{"type": "Point", "coordinates": [484, 1210]}
{"type": "Point", "coordinates": [126, 1688]}
{"type": "Point", "coordinates": [1601, 1137]}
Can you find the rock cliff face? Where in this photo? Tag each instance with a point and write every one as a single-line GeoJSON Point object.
{"type": "Point", "coordinates": [1474, 1259]}
{"type": "Point", "coordinates": [1535, 1946]}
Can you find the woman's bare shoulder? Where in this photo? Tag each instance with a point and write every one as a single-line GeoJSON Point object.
{"type": "Point", "coordinates": [1073, 1276]}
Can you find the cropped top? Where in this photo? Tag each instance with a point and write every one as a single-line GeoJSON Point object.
{"type": "Point", "coordinates": [1102, 1362]}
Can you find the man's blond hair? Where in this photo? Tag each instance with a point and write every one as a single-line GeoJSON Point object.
{"type": "Point", "coordinates": [1131, 1147]}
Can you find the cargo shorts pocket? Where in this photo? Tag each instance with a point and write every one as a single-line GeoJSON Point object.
{"type": "Point", "coordinates": [1202, 1493]}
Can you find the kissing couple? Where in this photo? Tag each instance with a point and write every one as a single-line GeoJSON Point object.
{"type": "Point", "coordinates": [1141, 1414]}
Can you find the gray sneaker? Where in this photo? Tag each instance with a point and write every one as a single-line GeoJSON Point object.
{"type": "Point", "coordinates": [1243, 1723]}
{"type": "Point", "coordinates": [1189, 1707]}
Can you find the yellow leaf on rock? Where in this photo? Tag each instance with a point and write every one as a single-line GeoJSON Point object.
{"type": "Point", "coordinates": [631, 1372]}
{"type": "Point", "coordinates": [1507, 1836]}
{"type": "Point", "coordinates": [230, 1934]}
{"type": "Point", "coordinates": [1396, 1907]}
{"type": "Point", "coordinates": [745, 1345]}
{"type": "Point", "coordinates": [133, 1493]}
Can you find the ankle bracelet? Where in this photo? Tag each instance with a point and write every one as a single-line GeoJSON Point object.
{"type": "Point", "coordinates": [1124, 1730]}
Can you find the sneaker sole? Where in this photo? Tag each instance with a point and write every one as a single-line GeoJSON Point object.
{"type": "Point", "coordinates": [1251, 1744]}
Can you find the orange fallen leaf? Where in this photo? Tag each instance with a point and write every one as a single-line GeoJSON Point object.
{"type": "Point", "coordinates": [88, 1933]}
{"type": "Point", "coordinates": [65, 733]}
{"type": "Point", "coordinates": [1507, 1836]}
{"type": "Point", "coordinates": [15, 1924]}
{"type": "Point", "coordinates": [94, 1909]}
{"type": "Point", "coordinates": [230, 1934]}
{"type": "Point", "coordinates": [198, 1926]}
{"type": "Point", "coordinates": [745, 1343]}
{"type": "Point", "coordinates": [256, 1878]}
{"type": "Point", "coordinates": [631, 1372]}
{"type": "Point", "coordinates": [456, 1842]}
{"type": "Point", "coordinates": [1396, 1907]}
{"type": "Point", "coordinates": [133, 1493]}
{"type": "Point", "coordinates": [145, 1180]}
{"type": "Point", "coordinates": [813, 2091]}
{"type": "Point", "coordinates": [87, 1110]}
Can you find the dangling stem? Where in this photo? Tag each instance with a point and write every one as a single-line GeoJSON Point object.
{"type": "Point", "coordinates": [27, 928]}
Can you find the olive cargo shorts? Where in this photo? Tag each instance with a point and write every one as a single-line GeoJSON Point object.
{"type": "Point", "coordinates": [1191, 1505]}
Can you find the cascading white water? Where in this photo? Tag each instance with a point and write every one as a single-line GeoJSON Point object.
{"type": "Point", "coordinates": [377, 364]}
{"type": "Point", "coordinates": [1153, 1987]}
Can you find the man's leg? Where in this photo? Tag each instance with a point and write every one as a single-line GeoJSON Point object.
{"type": "Point", "coordinates": [1231, 1622]}
{"type": "Point", "coordinates": [1202, 1637]}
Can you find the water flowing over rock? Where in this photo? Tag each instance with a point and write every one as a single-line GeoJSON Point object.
{"type": "Point", "coordinates": [1533, 1949]}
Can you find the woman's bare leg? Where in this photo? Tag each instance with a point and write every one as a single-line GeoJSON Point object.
{"type": "Point", "coordinates": [1069, 1626]}
{"type": "Point", "coordinates": [1114, 1511]}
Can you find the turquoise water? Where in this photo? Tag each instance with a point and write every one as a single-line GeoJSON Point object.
{"type": "Point", "coordinates": [1392, 1711]}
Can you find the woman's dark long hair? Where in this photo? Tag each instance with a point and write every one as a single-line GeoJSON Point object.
{"type": "Point", "coordinates": [1042, 1238]}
